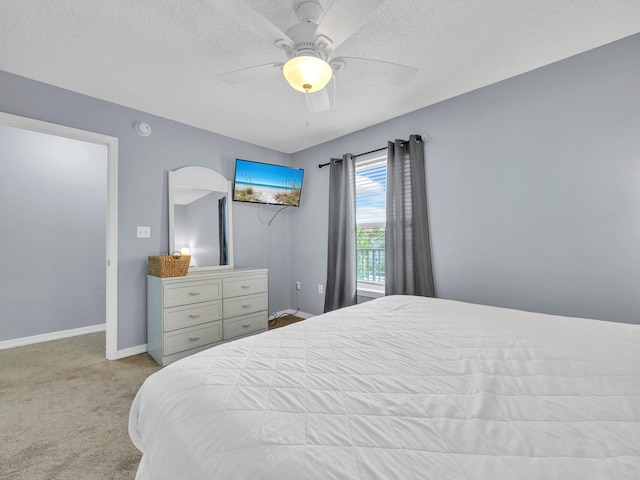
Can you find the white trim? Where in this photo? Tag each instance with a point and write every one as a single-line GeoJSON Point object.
{"type": "Point", "coordinates": [369, 290]}
{"type": "Point", "coordinates": [111, 314]}
{"type": "Point", "coordinates": [291, 311]}
{"type": "Point", "coordinates": [112, 250]}
{"type": "Point", "coordinates": [47, 337]}
{"type": "Point", "coordinates": [129, 352]}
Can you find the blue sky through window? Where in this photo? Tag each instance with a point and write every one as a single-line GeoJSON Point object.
{"type": "Point", "coordinates": [371, 184]}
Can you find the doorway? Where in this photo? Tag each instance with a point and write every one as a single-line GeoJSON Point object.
{"type": "Point", "coordinates": [109, 146]}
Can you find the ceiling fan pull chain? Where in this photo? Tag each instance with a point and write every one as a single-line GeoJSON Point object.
{"type": "Point", "coordinates": [306, 99]}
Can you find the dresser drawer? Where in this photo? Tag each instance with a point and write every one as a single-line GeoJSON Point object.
{"type": "Point", "coordinates": [192, 292]}
{"type": "Point", "coordinates": [244, 324]}
{"type": "Point", "coordinates": [191, 315]}
{"type": "Point", "coordinates": [180, 340]}
{"type": "Point", "coordinates": [234, 287]}
{"type": "Point", "coordinates": [247, 304]}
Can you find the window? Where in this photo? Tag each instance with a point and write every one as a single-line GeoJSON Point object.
{"type": "Point", "coordinates": [371, 180]}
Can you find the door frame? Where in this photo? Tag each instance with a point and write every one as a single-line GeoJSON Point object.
{"type": "Point", "coordinates": [111, 314]}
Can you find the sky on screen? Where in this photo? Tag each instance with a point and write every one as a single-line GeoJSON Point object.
{"type": "Point", "coordinates": [265, 174]}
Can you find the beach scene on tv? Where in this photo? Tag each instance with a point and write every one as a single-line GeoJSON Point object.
{"type": "Point", "coordinates": [264, 183]}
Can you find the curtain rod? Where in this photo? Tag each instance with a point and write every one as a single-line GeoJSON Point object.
{"type": "Point", "coordinates": [320, 165]}
{"type": "Point", "coordinates": [337, 160]}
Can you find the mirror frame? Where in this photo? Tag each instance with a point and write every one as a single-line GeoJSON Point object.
{"type": "Point", "coordinates": [201, 178]}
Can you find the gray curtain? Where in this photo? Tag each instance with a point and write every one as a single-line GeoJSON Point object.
{"type": "Point", "coordinates": [341, 288]}
{"type": "Point", "coordinates": [407, 251]}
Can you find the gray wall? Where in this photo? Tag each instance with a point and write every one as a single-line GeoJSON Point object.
{"type": "Point", "coordinates": [142, 184]}
{"type": "Point", "coordinates": [533, 190]}
{"type": "Point", "coordinates": [53, 215]}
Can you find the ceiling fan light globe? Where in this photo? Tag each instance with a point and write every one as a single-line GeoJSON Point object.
{"type": "Point", "coordinates": [307, 73]}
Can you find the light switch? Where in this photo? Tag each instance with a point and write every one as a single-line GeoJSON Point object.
{"type": "Point", "coordinates": [144, 232]}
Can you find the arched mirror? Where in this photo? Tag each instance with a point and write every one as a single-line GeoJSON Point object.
{"type": "Point", "coordinates": [200, 217]}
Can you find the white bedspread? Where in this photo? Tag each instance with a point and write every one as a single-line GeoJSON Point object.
{"type": "Point", "coordinates": [401, 388]}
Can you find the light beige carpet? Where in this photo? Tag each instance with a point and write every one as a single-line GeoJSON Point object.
{"type": "Point", "coordinates": [64, 410]}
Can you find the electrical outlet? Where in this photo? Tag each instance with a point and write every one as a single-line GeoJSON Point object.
{"type": "Point", "coordinates": [320, 289]}
{"type": "Point", "coordinates": [298, 285]}
{"type": "Point", "coordinates": [144, 232]}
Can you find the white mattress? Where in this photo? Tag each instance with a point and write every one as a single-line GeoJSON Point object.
{"type": "Point", "coordinates": [401, 388]}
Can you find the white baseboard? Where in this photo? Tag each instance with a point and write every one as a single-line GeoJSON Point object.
{"type": "Point", "coordinates": [47, 337]}
{"type": "Point", "coordinates": [291, 311]}
{"type": "Point", "coordinates": [131, 351]}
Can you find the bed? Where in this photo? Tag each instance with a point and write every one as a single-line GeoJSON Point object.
{"type": "Point", "coordinates": [401, 388]}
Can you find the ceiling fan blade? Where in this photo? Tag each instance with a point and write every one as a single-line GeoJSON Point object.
{"type": "Point", "coordinates": [318, 101]}
{"type": "Point", "coordinates": [374, 71]}
{"type": "Point", "coordinates": [344, 17]}
{"type": "Point", "coordinates": [251, 73]}
{"type": "Point", "coordinates": [246, 16]}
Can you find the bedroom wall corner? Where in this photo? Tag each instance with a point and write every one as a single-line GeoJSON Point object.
{"type": "Point", "coordinates": [532, 186]}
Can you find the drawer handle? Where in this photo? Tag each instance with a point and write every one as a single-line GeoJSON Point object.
{"type": "Point", "coordinates": [246, 305]}
{"type": "Point", "coordinates": [246, 286]}
{"type": "Point", "coordinates": [246, 325]}
{"type": "Point", "coordinates": [194, 315]}
{"type": "Point", "coordinates": [193, 294]}
{"type": "Point", "coordinates": [193, 339]}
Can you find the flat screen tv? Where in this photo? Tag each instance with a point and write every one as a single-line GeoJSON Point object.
{"type": "Point", "coordinates": [268, 184]}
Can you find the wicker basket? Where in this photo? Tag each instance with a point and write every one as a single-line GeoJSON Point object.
{"type": "Point", "coordinates": [175, 265]}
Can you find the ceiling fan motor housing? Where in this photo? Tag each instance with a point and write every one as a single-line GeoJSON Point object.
{"type": "Point", "coordinates": [302, 35]}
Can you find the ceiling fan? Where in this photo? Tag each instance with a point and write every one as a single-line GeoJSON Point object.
{"type": "Point", "coordinates": [309, 46]}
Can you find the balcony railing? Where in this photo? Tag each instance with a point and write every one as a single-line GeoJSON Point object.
{"type": "Point", "coordinates": [370, 264]}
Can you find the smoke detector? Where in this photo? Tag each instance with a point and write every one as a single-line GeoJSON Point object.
{"type": "Point", "coordinates": [142, 128]}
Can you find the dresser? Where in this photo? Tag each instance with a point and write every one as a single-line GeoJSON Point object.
{"type": "Point", "coordinates": [188, 314]}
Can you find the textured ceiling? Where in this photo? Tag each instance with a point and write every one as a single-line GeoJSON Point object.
{"type": "Point", "coordinates": [161, 56]}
